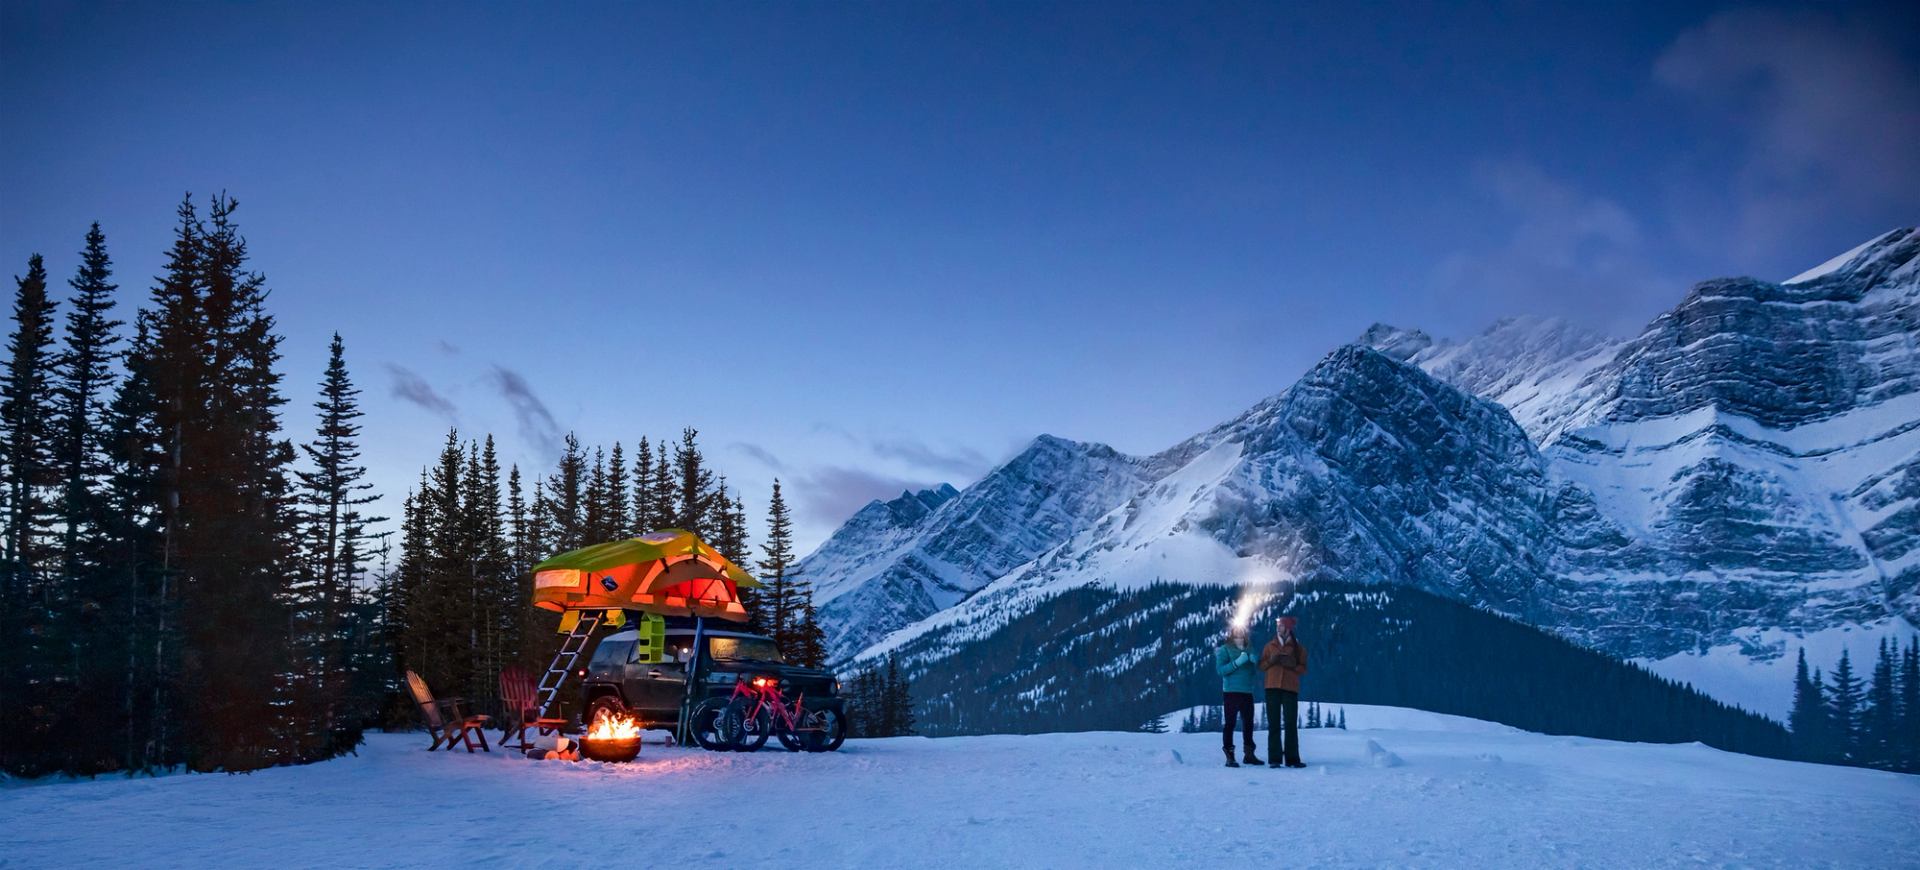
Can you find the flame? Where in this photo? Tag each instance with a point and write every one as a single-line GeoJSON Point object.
{"type": "Point", "coordinates": [613, 726]}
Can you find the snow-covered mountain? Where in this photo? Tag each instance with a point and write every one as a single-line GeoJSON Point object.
{"type": "Point", "coordinates": [1759, 446]}
{"type": "Point", "coordinates": [1541, 369]}
{"type": "Point", "coordinates": [897, 562]}
{"type": "Point", "coordinates": [1743, 474]}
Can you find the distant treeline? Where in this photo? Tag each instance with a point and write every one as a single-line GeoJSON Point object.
{"type": "Point", "coordinates": [1872, 722]}
{"type": "Point", "coordinates": [1100, 659]}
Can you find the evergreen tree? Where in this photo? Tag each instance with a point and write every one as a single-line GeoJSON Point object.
{"type": "Point", "coordinates": [330, 496]}
{"type": "Point", "coordinates": [566, 510]}
{"type": "Point", "coordinates": [728, 533]}
{"type": "Point", "coordinates": [645, 518]}
{"type": "Point", "coordinates": [1809, 718]}
{"type": "Point", "coordinates": [236, 543]}
{"type": "Point", "coordinates": [896, 701]}
{"type": "Point", "coordinates": [865, 717]}
{"type": "Point", "coordinates": [522, 553]}
{"type": "Point", "coordinates": [500, 597]}
{"type": "Point", "coordinates": [1343, 719]}
{"type": "Point", "coordinates": [597, 522]}
{"type": "Point", "coordinates": [26, 435]}
{"type": "Point", "coordinates": [693, 484]}
{"type": "Point", "coordinates": [1154, 725]}
{"type": "Point", "coordinates": [809, 639]}
{"type": "Point", "coordinates": [84, 380]}
{"type": "Point", "coordinates": [1881, 719]}
{"type": "Point", "coordinates": [619, 516]}
{"type": "Point", "coordinates": [1845, 702]}
{"type": "Point", "coordinates": [35, 678]}
{"type": "Point", "coordinates": [96, 721]}
{"type": "Point", "coordinates": [665, 512]}
{"type": "Point", "coordinates": [1910, 706]}
{"type": "Point", "coordinates": [135, 608]}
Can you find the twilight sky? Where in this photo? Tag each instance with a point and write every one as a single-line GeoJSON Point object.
{"type": "Point", "coordinates": [863, 247]}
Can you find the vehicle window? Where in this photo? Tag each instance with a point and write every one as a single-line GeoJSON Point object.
{"type": "Point", "coordinates": [610, 653]}
{"type": "Point", "coordinates": [743, 648]}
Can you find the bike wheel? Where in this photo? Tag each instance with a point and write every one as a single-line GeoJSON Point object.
{"type": "Point", "coordinates": [832, 730]}
{"type": "Point", "coordinates": [745, 731]}
{"type": "Point", "coordinates": [709, 725]}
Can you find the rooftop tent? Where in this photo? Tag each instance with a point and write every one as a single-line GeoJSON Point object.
{"type": "Point", "coordinates": [668, 572]}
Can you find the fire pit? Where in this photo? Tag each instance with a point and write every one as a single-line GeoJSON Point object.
{"type": "Point", "coordinates": [612, 737]}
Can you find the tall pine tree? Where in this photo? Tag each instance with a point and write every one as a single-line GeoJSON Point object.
{"type": "Point", "coordinates": [26, 432]}
{"type": "Point", "coordinates": [34, 677]}
{"type": "Point", "coordinates": [84, 380]}
{"type": "Point", "coordinates": [1845, 703]}
{"type": "Point", "coordinates": [330, 496]}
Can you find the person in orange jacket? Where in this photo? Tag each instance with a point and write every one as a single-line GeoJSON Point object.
{"type": "Point", "coordinates": [1284, 659]}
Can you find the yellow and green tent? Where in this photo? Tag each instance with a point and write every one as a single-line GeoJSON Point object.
{"type": "Point", "coordinates": [669, 572]}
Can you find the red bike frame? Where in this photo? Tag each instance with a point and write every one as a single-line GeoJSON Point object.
{"type": "Point", "coordinates": [764, 695]}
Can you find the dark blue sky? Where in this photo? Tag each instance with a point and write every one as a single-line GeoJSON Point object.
{"type": "Point", "coordinates": [863, 246]}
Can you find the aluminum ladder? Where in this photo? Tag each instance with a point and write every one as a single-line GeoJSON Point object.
{"type": "Point", "coordinates": [563, 661]}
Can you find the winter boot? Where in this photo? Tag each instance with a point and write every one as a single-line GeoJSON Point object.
{"type": "Point", "coordinates": [1251, 758]}
{"type": "Point", "coordinates": [1229, 751]}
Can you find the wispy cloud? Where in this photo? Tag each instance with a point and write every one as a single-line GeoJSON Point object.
{"type": "Point", "coordinates": [761, 454]}
{"type": "Point", "coordinates": [1825, 110]}
{"type": "Point", "coordinates": [537, 425]}
{"type": "Point", "coordinates": [830, 494]}
{"type": "Point", "coordinates": [1569, 252]}
{"type": "Point", "coordinates": [446, 347]}
{"type": "Point", "coordinates": [959, 462]}
{"type": "Point", "coordinates": [409, 386]}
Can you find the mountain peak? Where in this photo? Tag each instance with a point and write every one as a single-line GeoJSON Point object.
{"type": "Point", "coordinates": [1877, 257]}
{"type": "Point", "coordinates": [1397, 342]}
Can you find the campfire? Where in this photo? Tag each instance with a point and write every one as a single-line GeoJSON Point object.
{"type": "Point", "coordinates": [611, 737]}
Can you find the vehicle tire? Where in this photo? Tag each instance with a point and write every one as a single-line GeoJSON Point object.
{"type": "Point", "coordinates": [832, 733]}
{"type": "Point", "coordinates": [747, 733]}
{"type": "Point", "coordinates": [709, 725]}
{"type": "Point", "coordinates": [609, 702]}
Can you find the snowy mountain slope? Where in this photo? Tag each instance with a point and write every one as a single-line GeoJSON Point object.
{"type": "Point", "coordinates": [886, 572]}
{"type": "Point", "coordinates": [1739, 479]}
{"type": "Point", "coordinates": [1543, 370]}
{"type": "Point", "coordinates": [1368, 469]}
{"type": "Point", "coordinates": [1759, 445]}
{"type": "Point", "coordinates": [1098, 799]}
{"type": "Point", "coordinates": [876, 534]}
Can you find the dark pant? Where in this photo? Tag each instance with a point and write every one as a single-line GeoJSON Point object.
{"type": "Point", "coordinates": [1238, 705]}
{"type": "Point", "coordinates": [1283, 711]}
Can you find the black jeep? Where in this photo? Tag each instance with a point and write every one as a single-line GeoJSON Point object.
{"type": "Point", "coordinates": [617, 681]}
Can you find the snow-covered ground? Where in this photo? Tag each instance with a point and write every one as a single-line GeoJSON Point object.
{"type": "Point", "coordinates": [1455, 798]}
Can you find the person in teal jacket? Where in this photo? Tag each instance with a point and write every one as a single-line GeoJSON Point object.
{"type": "Point", "coordinates": [1239, 670]}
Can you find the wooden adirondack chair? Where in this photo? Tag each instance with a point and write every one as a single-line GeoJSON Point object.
{"type": "Point", "coordinates": [445, 719]}
{"type": "Point", "coordinates": [520, 702]}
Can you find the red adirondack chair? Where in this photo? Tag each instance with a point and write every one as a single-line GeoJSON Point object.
{"type": "Point", "coordinates": [520, 708]}
{"type": "Point", "coordinates": [445, 719]}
